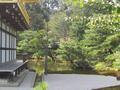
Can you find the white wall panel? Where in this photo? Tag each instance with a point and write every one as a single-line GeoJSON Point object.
{"type": "Point", "coordinates": [10, 41]}
{"type": "Point", "coordinates": [7, 55]}
{"type": "Point", "coordinates": [15, 43]}
{"type": "Point", "coordinates": [7, 40]}
{"type": "Point", "coordinates": [0, 38]}
{"type": "Point", "coordinates": [10, 55]}
{"type": "Point", "coordinates": [15, 54]}
{"type": "Point", "coordinates": [0, 56]}
{"type": "Point", "coordinates": [3, 56]}
{"type": "Point", "coordinates": [3, 39]}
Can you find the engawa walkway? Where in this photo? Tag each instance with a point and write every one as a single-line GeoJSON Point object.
{"type": "Point", "coordinates": [79, 82]}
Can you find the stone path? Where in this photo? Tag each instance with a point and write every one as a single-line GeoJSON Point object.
{"type": "Point", "coordinates": [29, 80]}
{"type": "Point", "coordinates": [79, 82]}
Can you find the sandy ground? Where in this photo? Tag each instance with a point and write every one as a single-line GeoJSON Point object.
{"type": "Point", "coordinates": [79, 82]}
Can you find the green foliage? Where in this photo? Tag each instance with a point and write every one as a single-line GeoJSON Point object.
{"type": "Point", "coordinates": [32, 42]}
{"type": "Point", "coordinates": [41, 86]}
{"type": "Point", "coordinates": [37, 66]}
{"type": "Point", "coordinates": [57, 26]}
{"type": "Point", "coordinates": [96, 31]}
{"type": "Point", "coordinates": [114, 59]}
{"type": "Point", "coordinates": [37, 19]}
{"type": "Point", "coordinates": [82, 65]}
{"type": "Point", "coordinates": [101, 34]}
{"type": "Point", "coordinates": [77, 26]}
{"type": "Point", "coordinates": [70, 50]}
{"type": "Point", "coordinates": [100, 66]}
{"type": "Point", "coordinates": [78, 3]}
{"type": "Point", "coordinates": [91, 32]}
{"type": "Point", "coordinates": [39, 69]}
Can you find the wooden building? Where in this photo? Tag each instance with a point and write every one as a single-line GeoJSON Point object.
{"type": "Point", "coordinates": [13, 18]}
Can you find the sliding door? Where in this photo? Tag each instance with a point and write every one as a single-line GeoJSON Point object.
{"type": "Point", "coordinates": [0, 43]}
{"type": "Point", "coordinates": [7, 43]}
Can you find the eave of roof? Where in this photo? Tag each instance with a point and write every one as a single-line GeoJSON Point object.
{"type": "Point", "coordinates": [21, 7]}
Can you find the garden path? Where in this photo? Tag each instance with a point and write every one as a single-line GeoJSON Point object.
{"type": "Point", "coordinates": [79, 82]}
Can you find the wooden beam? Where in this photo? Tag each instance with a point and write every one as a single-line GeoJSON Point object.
{"type": "Point", "coordinates": [18, 18]}
{"type": "Point", "coordinates": [21, 8]}
{"type": "Point", "coordinates": [8, 1]}
{"type": "Point", "coordinates": [30, 1]}
{"type": "Point", "coordinates": [14, 19]}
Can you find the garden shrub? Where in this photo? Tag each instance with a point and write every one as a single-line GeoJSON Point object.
{"type": "Point", "coordinates": [42, 86]}
{"type": "Point", "coordinates": [100, 66]}
{"type": "Point", "coordinates": [84, 65]}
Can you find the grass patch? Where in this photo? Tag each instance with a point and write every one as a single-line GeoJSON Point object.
{"type": "Point", "coordinates": [41, 86]}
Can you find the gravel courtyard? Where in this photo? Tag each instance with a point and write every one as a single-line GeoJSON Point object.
{"type": "Point", "coordinates": [79, 82]}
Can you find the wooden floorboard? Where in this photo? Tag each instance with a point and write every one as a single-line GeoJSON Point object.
{"type": "Point", "coordinates": [10, 67]}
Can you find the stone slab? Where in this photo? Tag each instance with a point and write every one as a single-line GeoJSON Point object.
{"type": "Point", "coordinates": [26, 84]}
{"type": "Point", "coordinates": [16, 82]}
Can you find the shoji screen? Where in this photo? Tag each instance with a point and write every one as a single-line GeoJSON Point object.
{"type": "Point", "coordinates": [7, 43]}
{"type": "Point", "coordinates": [3, 47]}
{"type": "Point", "coordinates": [12, 44]}
{"type": "Point", "coordinates": [3, 42]}
{"type": "Point", "coordinates": [0, 43]}
{"type": "Point", "coordinates": [0, 56]}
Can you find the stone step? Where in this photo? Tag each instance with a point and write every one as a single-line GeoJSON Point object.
{"type": "Point", "coordinates": [16, 81]}
{"type": "Point", "coordinates": [2, 81]}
